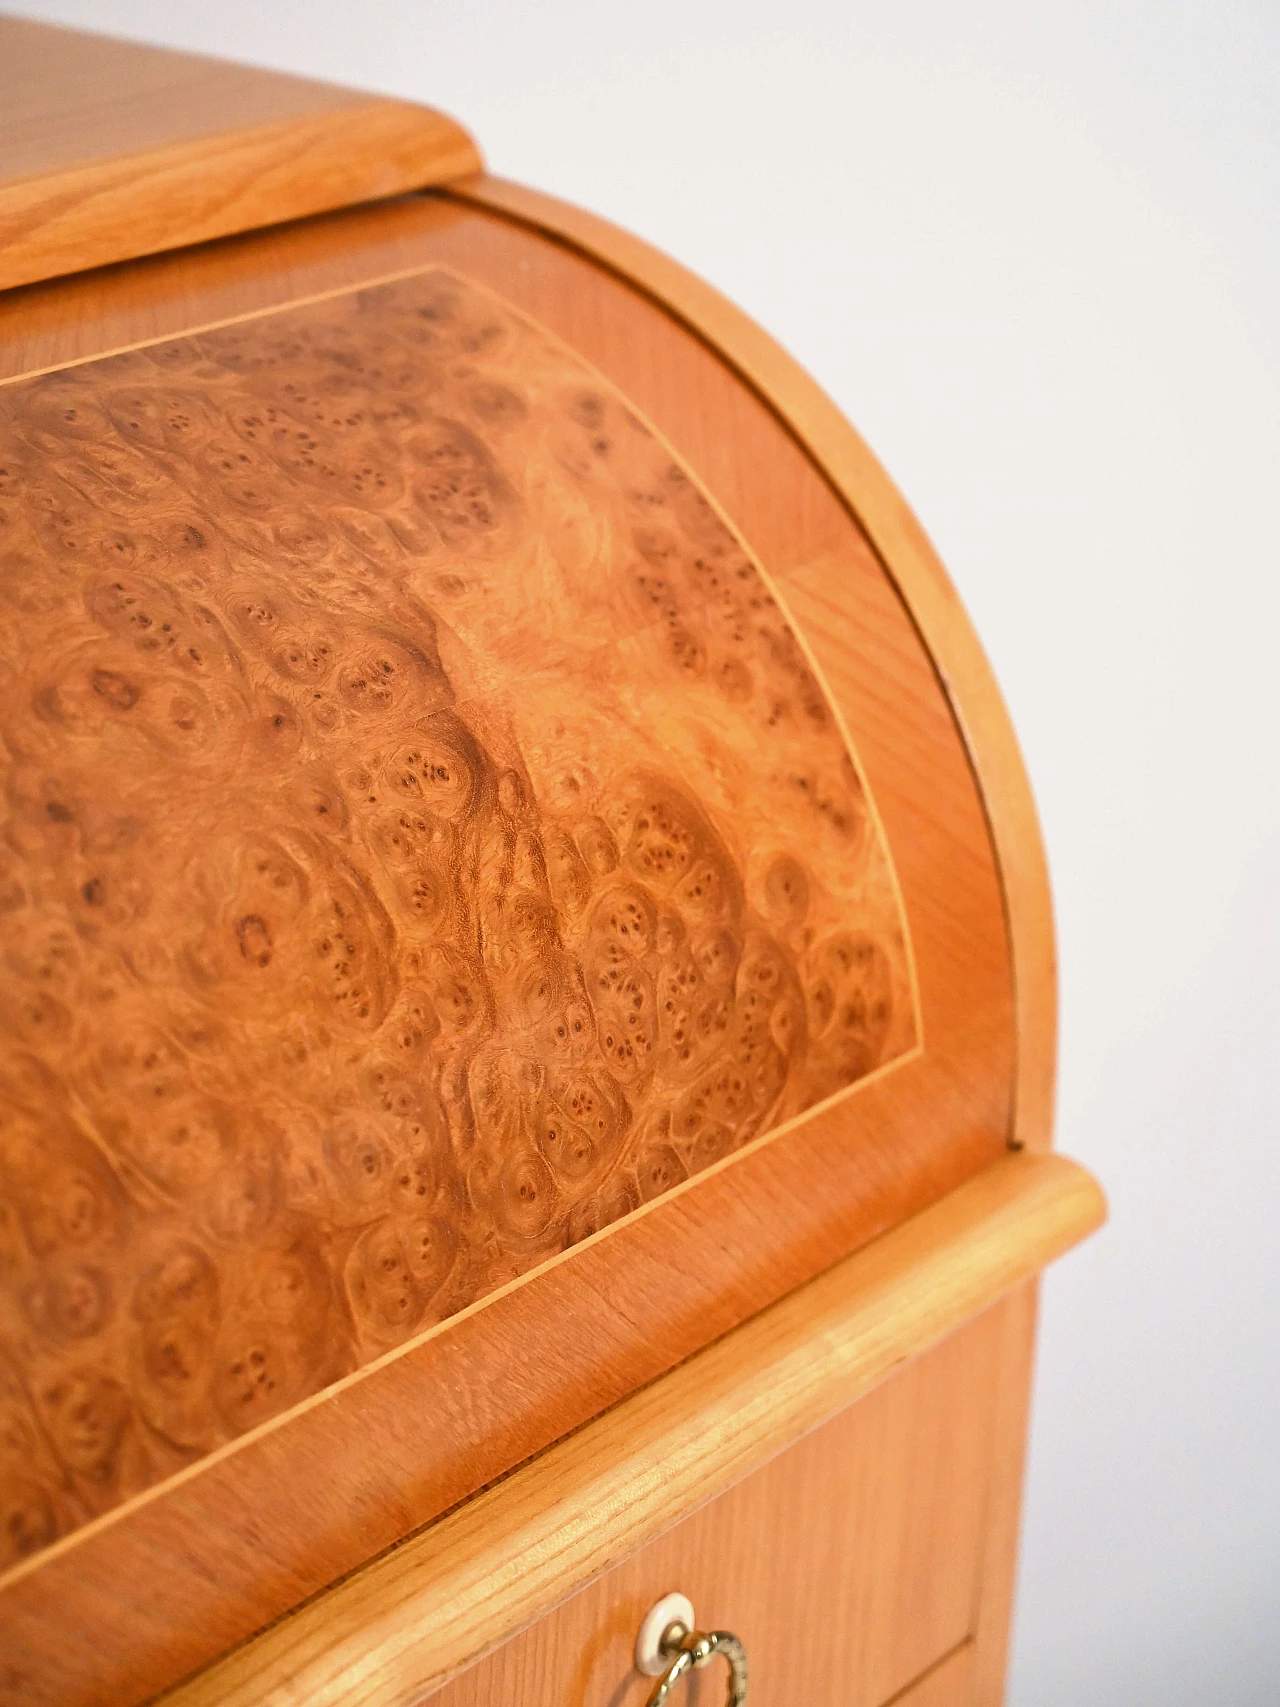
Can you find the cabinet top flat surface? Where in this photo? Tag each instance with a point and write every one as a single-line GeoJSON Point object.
{"type": "Point", "coordinates": [111, 149]}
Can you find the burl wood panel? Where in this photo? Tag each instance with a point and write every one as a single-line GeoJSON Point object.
{"type": "Point", "coordinates": [425, 841]}
{"type": "Point", "coordinates": [849, 1566]}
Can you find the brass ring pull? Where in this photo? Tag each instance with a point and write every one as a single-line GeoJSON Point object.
{"type": "Point", "coordinates": [690, 1651]}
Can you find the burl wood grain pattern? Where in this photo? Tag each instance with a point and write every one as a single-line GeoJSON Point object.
{"type": "Point", "coordinates": [425, 841]}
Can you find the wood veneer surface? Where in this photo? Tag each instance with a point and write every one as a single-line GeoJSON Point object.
{"type": "Point", "coordinates": [321, 1487]}
{"type": "Point", "coordinates": [110, 149]}
{"type": "Point", "coordinates": [948, 1684]}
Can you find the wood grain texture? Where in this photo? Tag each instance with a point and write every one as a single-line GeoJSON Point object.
{"type": "Point", "coordinates": [907, 554]}
{"type": "Point", "coordinates": [426, 841]}
{"type": "Point", "coordinates": [948, 1684]}
{"type": "Point", "coordinates": [110, 150]}
{"type": "Point", "coordinates": [848, 1565]}
{"type": "Point", "coordinates": [1001, 1525]}
{"type": "Point", "coordinates": [402, 1626]}
{"type": "Point", "coordinates": [160, 1585]}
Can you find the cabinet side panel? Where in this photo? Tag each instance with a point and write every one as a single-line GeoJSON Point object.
{"type": "Point", "coordinates": [1004, 1511]}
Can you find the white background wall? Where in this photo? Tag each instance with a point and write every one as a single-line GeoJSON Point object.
{"type": "Point", "coordinates": [1034, 252]}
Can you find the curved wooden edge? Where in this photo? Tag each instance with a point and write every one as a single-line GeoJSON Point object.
{"type": "Point", "coordinates": [117, 208]}
{"type": "Point", "coordinates": [915, 569]}
{"type": "Point", "coordinates": [413, 1618]}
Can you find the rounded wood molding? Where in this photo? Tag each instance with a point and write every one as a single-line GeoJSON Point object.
{"type": "Point", "coordinates": [917, 573]}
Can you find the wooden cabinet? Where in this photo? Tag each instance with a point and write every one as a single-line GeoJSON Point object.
{"type": "Point", "coordinates": [526, 979]}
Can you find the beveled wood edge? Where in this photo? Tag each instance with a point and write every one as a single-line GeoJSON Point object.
{"type": "Point", "coordinates": [362, 148]}
{"type": "Point", "coordinates": [404, 1624]}
{"type": "Point", "coordinates": [915, 570]}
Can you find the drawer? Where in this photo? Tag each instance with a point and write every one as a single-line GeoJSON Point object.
{"type": "Point", "coordinates": [837, 1481]}
{"type": "Point", "coordinates": [851, 1565]}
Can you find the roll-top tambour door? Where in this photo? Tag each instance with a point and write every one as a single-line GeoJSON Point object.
{"type": "Point", "coordinates": [494, 895]}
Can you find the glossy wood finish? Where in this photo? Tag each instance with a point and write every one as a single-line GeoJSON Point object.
{"type": "Point", "coordinates": [164, 1583]}
{"type": "Point", "coordinates": [389, 1633]}
{"type": "Point", "coordinates": [915, 569]}
{"type": "Point", "coordinates": [421, 764]}
{"type": "Point", "coordinates": [109, 149]}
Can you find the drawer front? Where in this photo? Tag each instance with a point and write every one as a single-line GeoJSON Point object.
{"type": "Point", "coordinates": [948, 1684]}
{"type": "Point", "coordinates": [851, 1566]}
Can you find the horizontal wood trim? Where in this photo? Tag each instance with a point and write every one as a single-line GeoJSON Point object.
{"type": "Point", "coordinates": [916, 570]}
{"type": "Point", "coordinates": [424, 1611]}
{"type": "Point", "coordinates": [110, 150]}
{"type": "Point", "coordinates": [849, 1565]}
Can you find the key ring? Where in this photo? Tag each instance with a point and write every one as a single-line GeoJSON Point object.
{"type": "Point", "coordinates": [684, 1649]}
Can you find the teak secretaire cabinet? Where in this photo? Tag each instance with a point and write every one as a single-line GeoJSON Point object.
{"type": "Point", "coordinates": [526, 969]}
